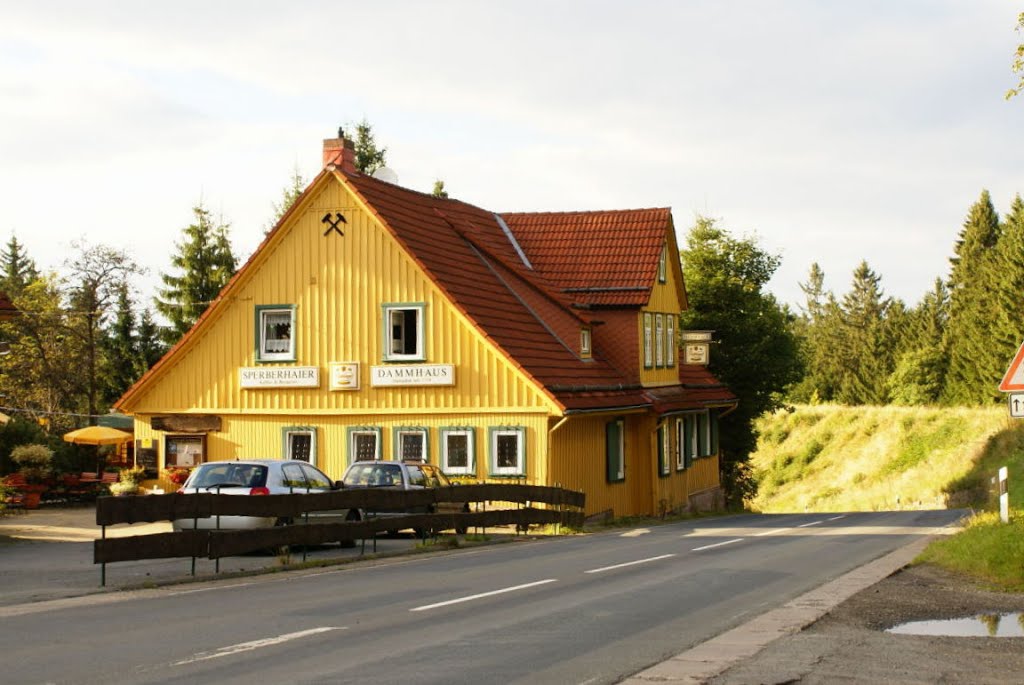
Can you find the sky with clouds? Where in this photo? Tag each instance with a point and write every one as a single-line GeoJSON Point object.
{"type": "Point", "coordinates": [832, 131]}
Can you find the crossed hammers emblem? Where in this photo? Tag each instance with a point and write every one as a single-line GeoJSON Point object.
{"type": "Point", "coordinates": [334, 222]}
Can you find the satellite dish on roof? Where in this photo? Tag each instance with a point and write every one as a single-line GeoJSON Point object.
{"type": "Point", "coordinates": [385, 174]}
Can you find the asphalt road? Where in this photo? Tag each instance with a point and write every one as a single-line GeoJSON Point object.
{"type": "Point", "coordinates": [587, 609]}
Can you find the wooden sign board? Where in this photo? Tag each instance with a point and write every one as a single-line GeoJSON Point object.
{"type": "Point", "coordinates": [187, 423]}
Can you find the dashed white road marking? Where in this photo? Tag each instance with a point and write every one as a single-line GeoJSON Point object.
{"type": "Point", "coordinates": [629, 563]}
{"type": "Point", "coordinates": [717, 544]}
{"type": "Point", "coordinates": [808, 525]}
{"type": "Point", "coordinates": [770, 532]}
{"type": "Point", "coordinates": [255, 644]}
{"type": "Point", "coordinates": [836, 518]}
{"type": "Point", "coordinates": [484, 594]}
{"type": "Point", "coordinates": [208, 589]}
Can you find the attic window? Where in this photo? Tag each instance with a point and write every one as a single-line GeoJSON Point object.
{"type": "Point", "coordinates": [662, 264]}
{"type": "Point", "coordinates": [275, 337]}
{"type": "Point", "coordinates": [403, 332]}
{"type": "Point", "coordinates": [585, 342]}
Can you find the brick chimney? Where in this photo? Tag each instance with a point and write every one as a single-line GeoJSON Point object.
{"type": "Point", "coordinates": [340, 152]}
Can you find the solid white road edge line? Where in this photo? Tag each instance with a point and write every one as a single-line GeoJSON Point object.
{"type": "Point", "coordinates": [255, 644]}
{"type": "Point", "coordinates": [717, 544]}
{"type": "Point", "coordinates": [484, 594]}
{"type": "Point", "coordinates": [629, 563]}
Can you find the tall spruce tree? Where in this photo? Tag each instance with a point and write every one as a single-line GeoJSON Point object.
{"type": "Point", "coordinates": [865, 345]}
{"type": "Point", "coordinates": [920, 371]}
{"type": "Point", "coordinates": [758, 355]}
{"type": "Point", "coordinates": [17, 269]}
{"type": "Point", "coordinates": [975, 365]}
{"type": "Point", "coordinates": [369, 157]}
{"type": "Point", "coordinates": [148, 345]}
{"type": "Point", "coordinates": [119, 366]}
{"type": "Point", "coordinates": [289, 195]}
{"type": "Point", "coordinates": [816, 329]}
{"type": "Point", "coordinates": [1008, 317]}
{"type": "Point", "coordinates": [205, 263]}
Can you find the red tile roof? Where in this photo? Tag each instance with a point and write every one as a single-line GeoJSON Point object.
{"type": "Point", "coordinates": [526, 310]}
{"type": "Point", "coordinates": [524, 307]}
{"type": "Point", "coordinates": [606, 258]}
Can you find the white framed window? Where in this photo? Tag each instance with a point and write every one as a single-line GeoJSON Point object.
{"type": "Point", "coordinates": [458, 451]}
{"type": "Point", "coordinates": [648, 341]}
{"type": "Point", "coordinates": [585, 350]}
{"type": "Point", "coordinates": [300, 443]}
{"type": "Point", "coordinates": [703, 435]}
{"type": "Point", "coordinates": [403, 332]}
{"type": "Point", "coordinates": [670, 340]}
{"type": "Point", "coordinates": [410, 444]}
{"type": "Point", "coordinates": [659, 340]}
{"type": "Point", "coordinates": [664, 449]}
{"type": "Point", "coordinates": [508, 451]}
{"type": "Point", "coordinates": [275, 333]}
{"type": "Point", "coordinates": [663, 264]}
{"type": "Point", "coordinates": [364, 444]}
{"type": "Point", "coordinates": [680, 446]}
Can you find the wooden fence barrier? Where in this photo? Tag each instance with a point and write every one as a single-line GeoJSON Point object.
{"type": "Point", "coordinates": [214, 544]}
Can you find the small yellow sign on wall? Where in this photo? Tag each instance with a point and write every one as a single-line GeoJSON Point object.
{"type": "Point", "coordinates": [344, 375]}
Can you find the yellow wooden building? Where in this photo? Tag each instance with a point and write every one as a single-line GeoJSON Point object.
{"type": "Point", "coordinates": [375, 322]}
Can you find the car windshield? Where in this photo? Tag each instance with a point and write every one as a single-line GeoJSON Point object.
{"type": "Point", "coordinates": [229, 475]}
{"type": "Point", "coordinates": [374, 475]}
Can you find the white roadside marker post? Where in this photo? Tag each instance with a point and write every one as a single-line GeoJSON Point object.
{"type": "Point", "coordinates": [1004, 496]}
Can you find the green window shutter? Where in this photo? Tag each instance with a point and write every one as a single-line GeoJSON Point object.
{"type": "Point", "coordinates": [613, 451]}
{"type": "Point", "coordinates": [689, 426]}
{"type": "Point", "coordinates": [714, 433]}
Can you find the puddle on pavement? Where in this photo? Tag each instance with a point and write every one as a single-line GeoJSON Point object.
{"type": "Point", "coordinates": [983, 625]}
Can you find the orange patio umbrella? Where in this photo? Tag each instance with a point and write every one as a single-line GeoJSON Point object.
{"type": "Point", "coordinates": [97, 435]}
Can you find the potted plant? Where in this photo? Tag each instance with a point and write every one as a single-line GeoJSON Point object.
{"type": "Point", "coordinates": [129, 482]}
{"type": "Point", "coordinates": [176, 475]}
{"type": "Point", "coordinates": [34, 466]}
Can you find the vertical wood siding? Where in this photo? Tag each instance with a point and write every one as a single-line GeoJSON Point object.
{"type": "Point", "coordinates": [664, 300]}
{"type": "Point", "coordinates": [262, 437]}
{"type": "Point", "coordinates": [337, 285]}
{"type": "Point", "coordinates": [578, 463]}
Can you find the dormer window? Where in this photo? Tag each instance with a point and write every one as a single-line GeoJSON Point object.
{"type": "Point", "coordinates": [585, 350]}
{"type": "Point", "coordinates": [403, 332]}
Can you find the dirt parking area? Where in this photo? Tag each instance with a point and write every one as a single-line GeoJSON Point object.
{"type": "Point", "coordinates": [850, 645]}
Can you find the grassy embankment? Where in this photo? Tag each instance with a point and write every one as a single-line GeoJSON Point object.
{"type": "Point", "coordinates": [828, 458]}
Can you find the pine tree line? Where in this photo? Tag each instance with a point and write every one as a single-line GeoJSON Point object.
{"type": "Point", "coordinates": [951, 348]}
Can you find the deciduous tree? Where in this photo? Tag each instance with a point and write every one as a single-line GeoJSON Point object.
{"type": "Point", "coordinates": [96, 276]}
{"type": "Point", "coordinates": [757, 355]}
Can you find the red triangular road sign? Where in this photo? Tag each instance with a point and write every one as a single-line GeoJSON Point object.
{"type": "Point", "coordinates": [1014, 378]}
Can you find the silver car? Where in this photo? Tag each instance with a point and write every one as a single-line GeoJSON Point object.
{"type": "Point", "coordinates": [259, 477]}
{"type": "Point", "coordinates": [402, 475]}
